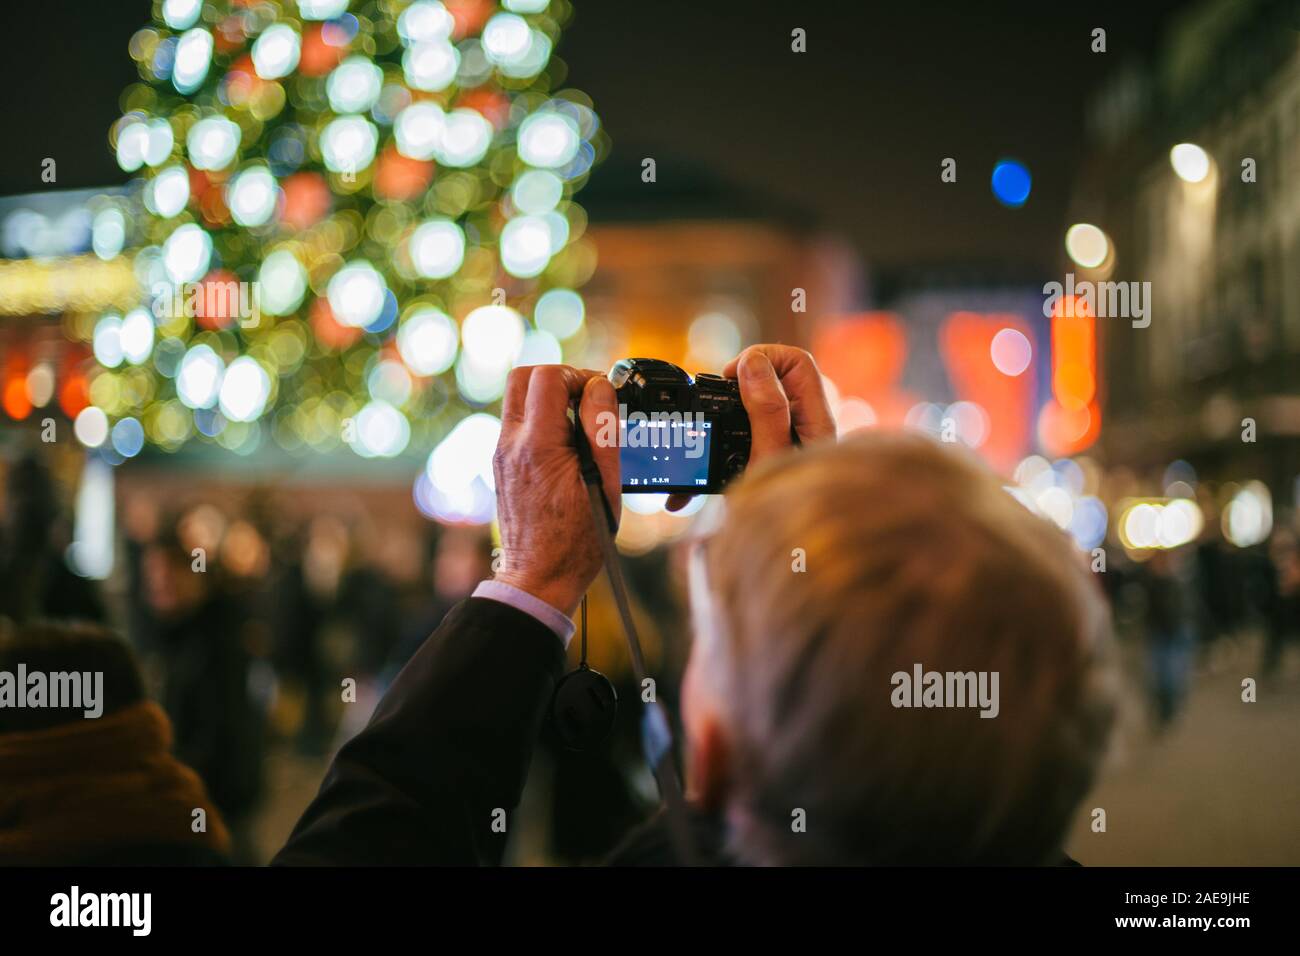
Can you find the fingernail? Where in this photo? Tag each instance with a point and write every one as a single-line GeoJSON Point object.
{"type": "Point", "coordinates": [756, 367]}
{"type": "Point", "coordinates": [602, 391]}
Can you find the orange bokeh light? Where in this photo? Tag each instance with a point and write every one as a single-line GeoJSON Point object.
{"type": "Point", "coordinates": [318, 57]}
{"type": "Point", "coordinates": [328, 330]}
{"type": "Point", "coordinates": [17, 402]}
{"type": "Point", "coordinates": [1074, 353]}
{"type": "Point", "coordinates": [400, 177]}
{"type": "Point", "coordinates": [306, 200]}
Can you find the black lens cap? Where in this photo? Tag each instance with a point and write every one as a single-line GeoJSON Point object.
{"type": "Point", "coordinates": [583, 708]}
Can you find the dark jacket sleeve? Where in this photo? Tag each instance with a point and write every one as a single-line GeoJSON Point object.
{"type": "Point", "coordinates": [446, 751]}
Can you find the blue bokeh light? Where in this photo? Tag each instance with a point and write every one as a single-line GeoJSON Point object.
{"type": "Point", "coordinates": [1011, 183]}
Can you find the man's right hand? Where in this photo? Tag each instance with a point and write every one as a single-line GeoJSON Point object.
{"type": "Point", "coordinates": [550, 544]}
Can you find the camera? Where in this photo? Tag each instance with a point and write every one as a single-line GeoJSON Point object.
{"type": "Point", "coordinates": [678, 433]}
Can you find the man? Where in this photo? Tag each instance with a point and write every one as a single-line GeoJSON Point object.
{"type": "Point", "coordinates": [838, 573]}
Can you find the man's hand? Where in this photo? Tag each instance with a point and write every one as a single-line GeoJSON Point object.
{"type": "Point", "coordinates": [780, 388]}
{"type": "Point", "coordinates": [550, 546]}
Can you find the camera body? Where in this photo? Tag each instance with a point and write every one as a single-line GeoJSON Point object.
{"type": "Point", "coordinates": [678, 433]}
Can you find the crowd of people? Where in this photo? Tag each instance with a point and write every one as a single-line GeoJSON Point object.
{"type": "Point", "coordinates": [244, 626]}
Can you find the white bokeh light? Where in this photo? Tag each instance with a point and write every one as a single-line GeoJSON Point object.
{"type": "Point", "coordinates": [348, 144]}
{"type": "Point", "coordinates": [106, 341]}
{"type": "Point", "coordinates": [431, 65]}
{"type": "Point", "coordinates": [540, 348]}
{"type": "Point", "coordinates": [459, 470]}
{"type": "Point", "coordinates": [560, 312]}
{"type": "Point", "coordinates": [193, 57]}
{"type": "Point", "coordinates": [479, 384]}
{"type": "Point", "coordinates": [1248, 519]}
{"type": "Point", "coordinates": [91, 427]}
{"type": "Point", "coordinates": [108, 232]}
{"type": "Point", "coordinates": [548, 140]}
{"type": "Point", "coordinates": [354, 85]}
{"type": "Point", "coordinates": [1086, 245]}
{"type": "Point", "coordinates": [283, 283]}
{"type": "Point", "coordinates": [427, 341]}
{"type": "Point", "coordinates": [492, 336]}
{"type": "Point", "coordinates": [970, 422]}
{"type": "Point", "coordinates": [425, 20]}
{"type": "Point", "coordinates": [132, 144]}
{"type": "Point", "coordinates": [418, 130]}
{"type": "Point", "coordinates": [213, 142]}
{"type": "Point", "coordinates": [389, 381]}
{"type": "Point", "coordinates": [168, 192]}
{"type": "Point", "coordinates": [526, 246]}
{"type": "Point", "coordinates": [137, 336]}
{"type": "Point", "coordinates": [181, 14]}
{"type": "Point", "coordinates": [437, 248]}
{"type": "Point", "coordinates": [322, 9]}
{"type": "Point", "coordinates": [187, 253]}
{"type": "Point", "coordinates": [252, 196]}
{"type": "Point", "coordinates": [533, 60]}
{"type": "Point", "coordinates": [537, 192]}
{"type": "Point", "coordinates": [245, 389]}
{"type": "Point", "coordinates": [1190, 162]}
{"type": "Point", "coordinates": [275, 52]}
{"type": "Point", "coordinates": [465, 138]}
{"type": "Point", "coordinates": [158, 148]}
{"type": "Point", "coordinates": [381, 431]}
{"type": "Point", "coordinates": [356, 294]}
{"type": "Point", "coordinates": [198, 379]}
{"type": "Point", "coordinates": [506, 38]}
{"type": "Point", "coordinates": [1011, 352]}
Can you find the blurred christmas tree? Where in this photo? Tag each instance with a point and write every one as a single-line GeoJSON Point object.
{"type": "Point", "coordinates": [345, 212]}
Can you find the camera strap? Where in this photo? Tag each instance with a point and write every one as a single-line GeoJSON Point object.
{"type": "Point", "coordinates": [656, 732]}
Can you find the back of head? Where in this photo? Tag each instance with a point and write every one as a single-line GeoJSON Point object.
{"type": "Point", "coordinates": [57, 648]}
{"type": "Point", "coordinates": [907, 655]}
{"type": "Point", "coordinates": [86, 764]}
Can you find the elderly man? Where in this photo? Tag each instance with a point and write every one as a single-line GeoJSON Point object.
{"type": "Point", "coordinates": [801, 747]}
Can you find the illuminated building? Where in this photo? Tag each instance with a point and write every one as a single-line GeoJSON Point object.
{"type": "Point", "coordinates": [1193, 176]}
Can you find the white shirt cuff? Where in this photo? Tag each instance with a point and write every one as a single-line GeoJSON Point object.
{"type": "Point", "coordinates": [533, 606]}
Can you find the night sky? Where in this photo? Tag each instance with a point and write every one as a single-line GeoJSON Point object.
{"type": "Point", "coordinates": [850, 133]}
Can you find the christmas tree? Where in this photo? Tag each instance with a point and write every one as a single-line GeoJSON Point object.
{"type": "Point", "coordinates": [353, 218]}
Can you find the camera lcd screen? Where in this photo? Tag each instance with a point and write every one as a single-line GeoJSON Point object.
{"type": "Point", "coordinates": [662, 456]}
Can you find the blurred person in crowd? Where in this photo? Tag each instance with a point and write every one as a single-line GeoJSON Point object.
{"type": "Point", "coordinates": [296, 619]}
{"type": "Point", "coordinates": [197, 630]}
{"type": "Point", "coordinates": [916, 558]}
{"type": "Point", "coordinates": [1282, 606]}
{"type": "Point", "coordinates": [1170, 631]}
{"type": "Point", "coordinates": [106, 790]}
{"type": "Point", "coordinates": [35, 581]}
{"type": "Point", "coordinates": [365, 620]}
{"type": "Point", "coordinates": [1218, 577]}
{"type": "Point", "coordinates": [459, 559]}
{"type": "Point", "coordinates": [368, 606]}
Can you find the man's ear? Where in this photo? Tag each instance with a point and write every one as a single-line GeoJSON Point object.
{"type": "Point", "coordinates": [710, 764]}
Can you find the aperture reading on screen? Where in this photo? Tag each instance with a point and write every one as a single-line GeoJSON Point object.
{"type": "Point", "coordinates": [665, 455]}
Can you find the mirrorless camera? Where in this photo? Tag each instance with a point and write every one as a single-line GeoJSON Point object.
{"type": "Point", "coordinates": [677, 433]}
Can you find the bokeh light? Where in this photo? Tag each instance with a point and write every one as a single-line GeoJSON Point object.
{"type": "Point", "coordinates": [1011, 183]}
